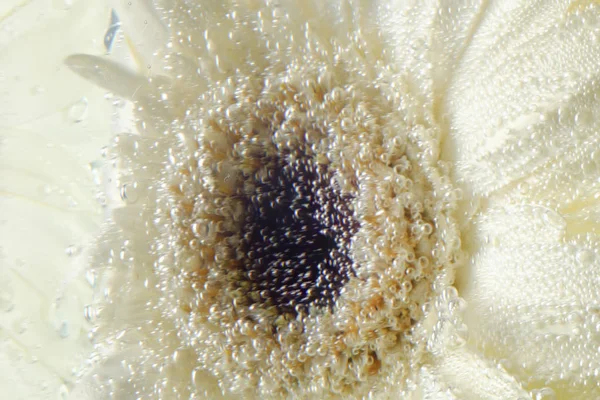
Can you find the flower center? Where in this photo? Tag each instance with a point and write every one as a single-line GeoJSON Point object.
{"type": "Point", "coordinates": [297, 236]}
{"type": "Point", "coordinates": [309, 222]}
{"type": "Point", "coordinates": [299, 252]}
{"type": "Point", "coordinates": [302, 222]}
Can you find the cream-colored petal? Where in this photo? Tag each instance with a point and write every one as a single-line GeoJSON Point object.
{"type": "Point", "coordinates": [429, 39]}
{"type": "Point", "coordinates": [524, 92]}
{"type": "Point", "coordinates": [570, 185]}
{"type": "Point", "coordinates": [460, 374]}
{"type": "Point", "coordinates": [52, 126]}
{"type": "Point", "coordinates": [453, 369]}
{"type": "Point", "coordinates": [146, 34]}
{"type": "Point", "coordinates": [533, 297]}
{"type": "Point", "coordinates": [109, 74]}
{"type": "Point", "coordinates": [32, 73]}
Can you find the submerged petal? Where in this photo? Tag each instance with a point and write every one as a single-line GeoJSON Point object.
{"type": "Point", "coordinates": [30, 87]}
{"type": "Point", "coordinates": [464, 375]}
{"type": "Point", "coordinates": [146, 34]}
{"type": "Point", "coordinates": [534, 302]}
{"type": "Point", "coordinates": [52, 125]}
{"type": "Point", "coordinates": [112, 76]}
{"type": "Point", "coordinates": [524, 92]}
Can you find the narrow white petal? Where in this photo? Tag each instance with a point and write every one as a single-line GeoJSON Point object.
{"type": "Point", "coordinates": [110, 75]}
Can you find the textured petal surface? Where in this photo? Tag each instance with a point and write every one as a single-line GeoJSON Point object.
{"type": "Point", "coordinates": [429, 39]}
{"type": "Point", "coordinates": [523, 128]}
{"type": "Point", "coordinates": [463, 375]}
{"type": "Point", "coordinates": [515, 83]}
{"type": "Point", "coordinates": [52, 125]}
{"type": "Point", "coordinates": [455, 369]}
{"type": "Point", "coordinates": [524, 91]}
{"type": "Point", "coordinates": [533, 297]}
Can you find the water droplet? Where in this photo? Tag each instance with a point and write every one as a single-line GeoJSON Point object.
{"type": "Point", "coordinates": [111, 32]}
{"type": "Point", "coordinates": [63, 330]}
{"type": "Point", "coordinates": [584, 118]}
{"type": "Point", "coordinates": [46, 190]}
{"type": "Point", "coordinates": [104, 152]}
{"type": "Point", "coordinates": [79, 110]}
{"type": "Point", "coordinates": [455, 341]}
{"type": "Point", "coordinates": [554, 219]}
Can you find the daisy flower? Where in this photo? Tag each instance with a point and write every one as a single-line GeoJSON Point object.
{"type": "Point", "coordinates": [355, 199]}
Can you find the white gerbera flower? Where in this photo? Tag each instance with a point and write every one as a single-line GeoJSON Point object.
{"type": "Point", "coordinates": [353, 200]}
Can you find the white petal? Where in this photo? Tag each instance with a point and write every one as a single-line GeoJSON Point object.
{"type": "Point", "coordinates": [110, 75]}
{"type": "Point", "coordinates": [570, 185]}
{"type": "Point", "coordinates": [52, 125]}
{"type": "Point", "coordinates": [524, 92]}
{"type": "Point", "coordinates": [429, 39]}
{"type": "Point", "coordinates": [533, 298]}
{"type": "Point", "coordinates": [462, 375]}
{"type": "Point", "coordinates": [146, 34]}
{"type": "Point", "coordinates": [32, 74]}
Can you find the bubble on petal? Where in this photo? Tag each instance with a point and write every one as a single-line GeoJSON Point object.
{"type": "Point", "coordinates": [78, 111]}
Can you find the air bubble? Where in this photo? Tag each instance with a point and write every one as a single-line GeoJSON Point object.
{"type": "Point", "coordinates": [585, 257]}
{"type": "Point", "coordinates": [63, 392]}
{"type": "Point", "coordinates": [129, 192]}
{"type": "Point", "coordinates": [37, 90]}
{"type": "Point", "coordinates": [72, 250]}
{"type": "Point", "coordinates": [543, 394]}
{"type": "Point", "coordinates": [91, 276]}
{"type": "Point", "coordinates": [89, 313]}
{"type": "Point", "coordinates": [78, 111]}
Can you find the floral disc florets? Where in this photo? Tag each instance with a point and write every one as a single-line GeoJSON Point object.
{"type": "Point", "coordinates": [303, 215]}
